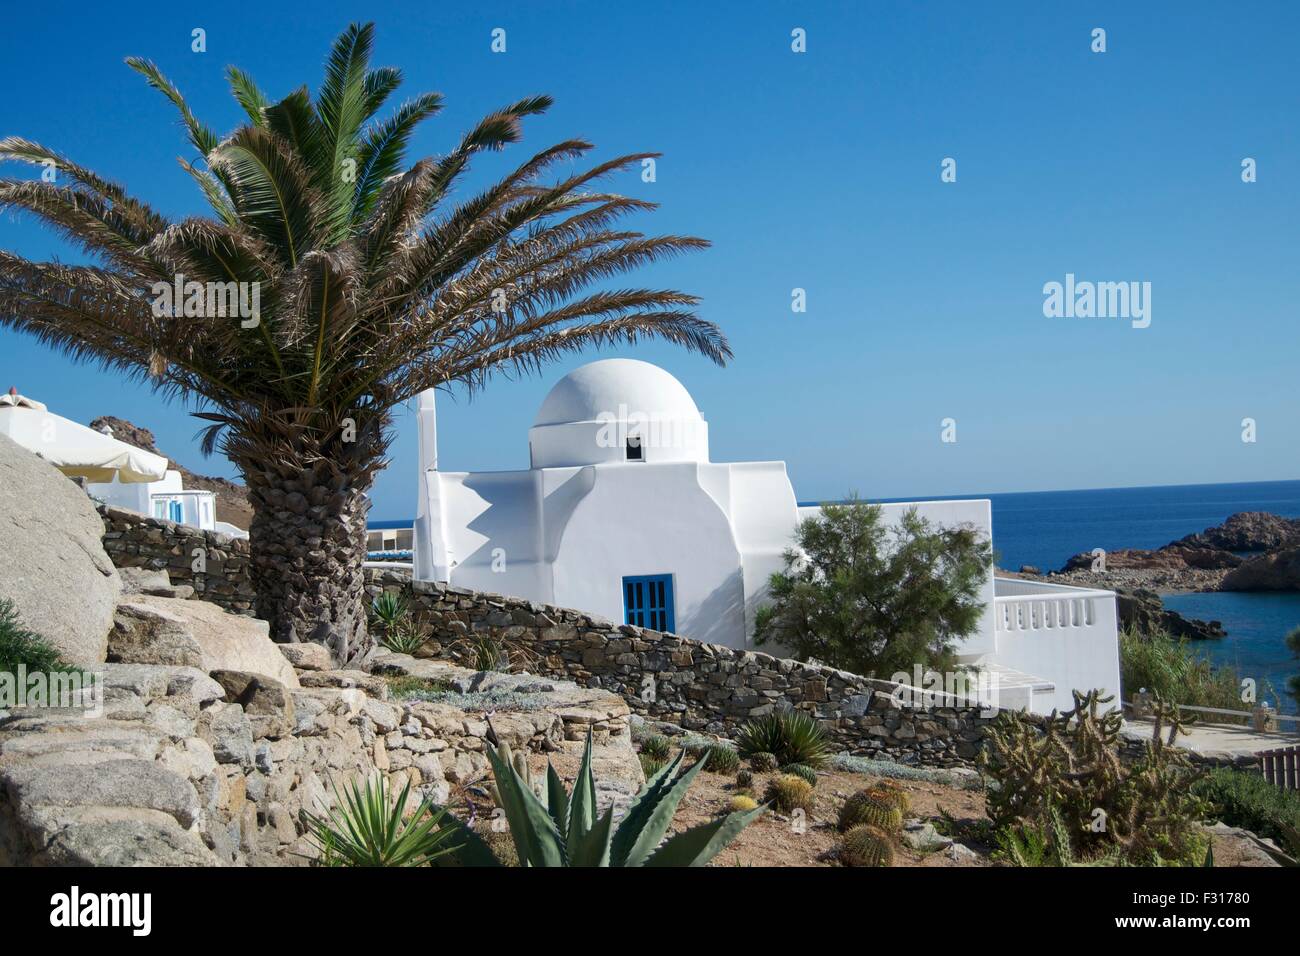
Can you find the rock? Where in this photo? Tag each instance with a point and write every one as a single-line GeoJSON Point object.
{"type": "Point", "coordinates": [115, 783]}
{"type": "Point", "coordinates": [267, 703]}
{"type": "Point", "coordinates": [1279, 571]}
{"type": "Point", "coordinates": [924, 838]}
{"type": "Point", "coordinates": [125, 843]}
{"type": "Point", "coordinates": [1143, 611]}
{"type": "Point", "coordinates": [375, 686]}
{"type": "Point", "coordinates": [230, 734]}
{"type": "Point", "coordinates": [143, 580]}
{"type": "Point", "coordinates": [153, 681]}
{"type": "Point", "coordinates": [56, 573]}
{"type": "Point", "coordinates": [148, 635]}
{"type": "Point", "coordinates": [1172, 557]}
{"type": "Point", "coordinates": [961, 853]}
{"type": "Point", "coordinates": [1247, 531]}
{"type": "Point", "coordinates": [307, 656]}
{"type": "Point", "coordinates": [231, 642]}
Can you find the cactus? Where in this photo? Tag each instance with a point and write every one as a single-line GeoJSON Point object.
{"type": "Point", "coordinates": [802, 770]}
{"type": "Point", "coordinates": [742, 804]}
{"type": "Point", "coordinates": [878, 807]}
{"type": "Point", "coordinates": [1069, 766]}
{"type": "Point", "coordinates": [657, 746]}
{"type": "Point", "coordinates": [745, 779]}
{"type": "Point", "coordinates": [867, 846]}
{"type": "Point", "coordinates": [891, 795]}
{"type": "Point", "coordinates": [763, 761]}
{"type": "Point", "coordinates": [721, 759]}
{"type": "Point", "coordinates": [789, 793]}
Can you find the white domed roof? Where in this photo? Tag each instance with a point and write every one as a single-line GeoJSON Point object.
{"type": "Point", "coordinates": [614, 389]}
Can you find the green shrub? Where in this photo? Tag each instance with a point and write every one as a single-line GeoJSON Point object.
{"type": "Point", "coordinates": [792, 736]}
{"type": "Point", "coordinates": [721, 759]}
{"type": "Point", "coordinates": [763, 761]}
{"type": "Point", "coordinates": [650, 764]}
{"type": "Point", "coordinates": [1177, 671]}
{"type": "Point", "coordinates": [405, 637]}
{"type": "Point", "coordinates": [867, 846]}
{"type": "Point", "coordinates": [898, 771]}
{"type": "Point", "coordinates": [1248, 800]}
{"type": "Point", "coordinates": [802, 770]}
{"type": "Point", "coordinates": [387, 611]}
{"type": "Point", "coordinates": [18, 645]}
{"type": "Point", "coordinates": [657, 746]}
{"type": "Point", "coordinates": [789, 793]}
{"type": "Point", "coordinates": [367, 828]}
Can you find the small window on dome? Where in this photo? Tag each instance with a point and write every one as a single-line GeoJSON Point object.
{"type": "Point", "coordinates": [634, 448]}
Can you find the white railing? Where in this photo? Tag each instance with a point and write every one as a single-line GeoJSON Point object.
{"type": "Point", "coordinates": [1022, 613]}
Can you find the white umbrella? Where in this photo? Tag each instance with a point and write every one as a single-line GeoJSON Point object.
{"type": "Point", "coordinates": [77, 451]}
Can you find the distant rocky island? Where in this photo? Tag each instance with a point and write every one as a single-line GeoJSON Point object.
{"type": "Point", "coordinates": [1250, 551]}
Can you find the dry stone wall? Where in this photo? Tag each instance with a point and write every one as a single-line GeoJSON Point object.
{"type": "Point", "coordinates": [133, 540]}
{"type": "Point", "coordinates": [700, 687]}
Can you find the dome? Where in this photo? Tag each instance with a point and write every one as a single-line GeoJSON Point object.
{"type": "Point", "coordinates": [615, 389]}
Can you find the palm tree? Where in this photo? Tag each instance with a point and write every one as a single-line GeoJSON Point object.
{"type": "Point", "coordinates": [371, 283]}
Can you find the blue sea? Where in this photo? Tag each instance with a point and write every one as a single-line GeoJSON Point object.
{"type": "Point", "coordinates": [1046, 528]}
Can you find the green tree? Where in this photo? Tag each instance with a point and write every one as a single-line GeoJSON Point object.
{"type": "Point", "coordinates": [873, 599]}
{"type": "Point", "coordinates": [372, 284]}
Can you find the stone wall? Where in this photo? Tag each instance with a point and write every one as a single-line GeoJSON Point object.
{"type": "Point", "coordinates": [663, 677]}
{"type": "Point", "coordinates": [133, 540]}
{"type": "Point", "coordinates": [666, 677]}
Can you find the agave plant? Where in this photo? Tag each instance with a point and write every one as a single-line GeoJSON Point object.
{"type": "Point", "coordinates": [792, 736]}
{"type": "Point", "coordinates": [359, 283]}
{"type": "Point", "coordinates": [387, 611]}
{"type": "Point", "coordinates": [562, 829]}
{"type": "Point", "coordinates": [367, 828]}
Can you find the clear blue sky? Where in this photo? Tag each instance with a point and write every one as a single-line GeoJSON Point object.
{"type": "Point", "coordinates": [821, 171]}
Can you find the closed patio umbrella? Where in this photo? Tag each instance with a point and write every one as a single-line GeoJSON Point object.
{"type": "Point", "coordinates": [77, 451]}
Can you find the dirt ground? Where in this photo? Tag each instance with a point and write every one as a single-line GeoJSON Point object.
{"type": "Point", "coordinates": [775, 840]}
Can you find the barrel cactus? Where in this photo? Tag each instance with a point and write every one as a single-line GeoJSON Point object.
{"type": "Point", "coordinates": [763, 761]}
{"type": "Point", "coordinates": [745, 779]}
{"type": "Point", "coordinates": [789, 793]}
{"type": "Point", "coordinates": [742, 804]}
{"type": "Point", "coordinates": [880, 807]}
{"type": "Point", "coordinates": [866, 845]}
{"type": "Point", "coordinates": [650, 764]}
{"type": "Point", "coordinates": [802, 770]}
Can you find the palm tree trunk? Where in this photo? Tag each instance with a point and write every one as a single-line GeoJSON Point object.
{"type": "Point", "coordinates": [307, 543]}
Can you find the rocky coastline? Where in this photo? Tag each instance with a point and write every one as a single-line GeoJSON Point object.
{"type": "Point", "coordinates": [1250, 551]}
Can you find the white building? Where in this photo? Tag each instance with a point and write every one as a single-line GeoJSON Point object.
{"type": "Point", "coordinates": [623, 514]}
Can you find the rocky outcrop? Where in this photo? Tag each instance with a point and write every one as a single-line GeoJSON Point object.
{"type": "Point", "coordinates": [233, 506]}
{"type": "Point", "coordinates": [1143, 611]}
{"type": "Point", "coordinates": [1279, 571]}
{"type": "Point", "coordinates": [1247, 531]}
{"type": "Point", "coordinates": [232, 642]}
{"type": "Point", "coordinates": [52, 563]}
{"type": "Point", "coordinates": [184, 769]}
{"type": "Point", "coordinates": [1168, 558]}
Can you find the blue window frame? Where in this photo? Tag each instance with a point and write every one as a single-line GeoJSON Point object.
{"type": "Point", "coordinates": [648, 601]}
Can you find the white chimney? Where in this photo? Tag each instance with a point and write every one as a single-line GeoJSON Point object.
{"type": "Point", "coordinates": [427, 538]}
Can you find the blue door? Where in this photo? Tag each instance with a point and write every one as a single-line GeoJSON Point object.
{"type": "Point", "coordinates": [648, 601]}
{"type": "Point", "coordinates": [176, 511]}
